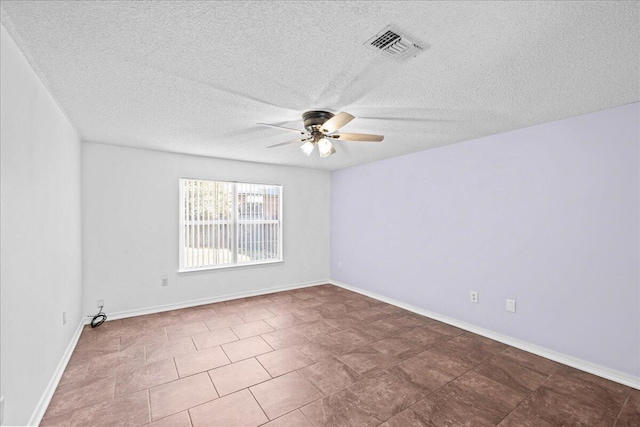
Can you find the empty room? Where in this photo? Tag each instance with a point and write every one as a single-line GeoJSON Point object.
{"type": "Point", "coordinates": [310, 213]}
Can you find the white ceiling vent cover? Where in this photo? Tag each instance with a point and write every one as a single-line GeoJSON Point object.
{"type": "Point", "coordinates": [396, 44]}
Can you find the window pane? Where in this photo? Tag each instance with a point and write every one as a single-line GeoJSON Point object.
{"type": "Point", "coordinates": [219, 229]}
{"type": "Point", "coordinates": [258, 223]}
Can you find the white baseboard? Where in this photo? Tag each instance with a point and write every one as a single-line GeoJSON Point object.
{"type": "Point", "coordinates": [574, 362]}
{"type": "Point", "coordinates": [203, 301]}
{"type": "Point", "coordinates": [43, 404]}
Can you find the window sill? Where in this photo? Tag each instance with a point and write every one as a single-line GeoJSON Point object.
{"type": "Point", "coordinates": [225, 267]}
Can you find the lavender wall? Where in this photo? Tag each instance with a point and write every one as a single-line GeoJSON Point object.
{"type": "Point", "coordinates": [547, 215]}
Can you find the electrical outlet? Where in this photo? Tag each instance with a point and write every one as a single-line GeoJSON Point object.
{"type": "Point", "coordinates": [100, 303]}
{"type": "Point", "coordinates": [339, 264]}
{"type": "Point", "coordinates": [511, 305]}
{"type": "Point", "coordinates": [165, 281]}
{"type": "Point", "coordinates": [473, 296]}
{"type": "Point", "coordinates": [64, 318]}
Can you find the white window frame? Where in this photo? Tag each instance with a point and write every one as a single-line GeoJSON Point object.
{"type": "Point", "coordinates": [234, 221]}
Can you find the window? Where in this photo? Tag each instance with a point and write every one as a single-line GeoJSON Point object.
{"type": "Point", "coordinates": [224, 224]}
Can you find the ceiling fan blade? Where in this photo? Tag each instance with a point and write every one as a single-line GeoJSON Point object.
{"type": "Point", "coordinates": [355, 80]}
{"type": "Point", "coordinates": [407, 119]}
{"type": "Point", "coordinates": [336, 122]}
{"type": "Point", "coordinates": [357, 137]}
{"type": "Point", "coordinates": [182, 83]}
{"type": "Point", "coordinates": [287, 143]}
{"type": "Point", "coordinates": [283, 128]}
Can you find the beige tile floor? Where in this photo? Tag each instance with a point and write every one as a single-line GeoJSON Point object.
{"type": "Point", "coordinates": [320, 356]}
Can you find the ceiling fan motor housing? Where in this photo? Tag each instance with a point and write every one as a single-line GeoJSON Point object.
{"type": "Point", "coordinates": [314, 119]}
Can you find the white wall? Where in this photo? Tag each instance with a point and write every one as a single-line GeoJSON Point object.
{"type": "Point", "coordinates": [130, 228]}
{"type": "Point", "coordinates": [40, 234]}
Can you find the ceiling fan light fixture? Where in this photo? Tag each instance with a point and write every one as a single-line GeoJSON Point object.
{"type": "Point", "coordinates": [332, 151]}
{"type": "Point", "coordinates": [307, 148]}
{"type": "Point", "coordinates": [325, 147]}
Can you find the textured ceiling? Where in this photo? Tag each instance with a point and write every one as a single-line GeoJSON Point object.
{"type": "Point", "coordinates": [196, 77]}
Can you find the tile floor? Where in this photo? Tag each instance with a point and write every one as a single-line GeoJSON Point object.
{"type": "Point", "coordinates": [320, 356]}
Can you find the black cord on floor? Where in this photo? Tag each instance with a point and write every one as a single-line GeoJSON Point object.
{"type": "Point", "coordinates": [98, 319]}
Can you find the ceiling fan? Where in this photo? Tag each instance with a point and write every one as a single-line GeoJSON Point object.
{"type": "Point", "coordinates": [321, 127]}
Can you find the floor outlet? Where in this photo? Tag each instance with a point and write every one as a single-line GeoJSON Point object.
{"type": "Point", "coordinates": [511, 305]}
{"type": "Point", "coordinates": [473, 297]}
{"type": "Point", "coordinates": [165, 281]}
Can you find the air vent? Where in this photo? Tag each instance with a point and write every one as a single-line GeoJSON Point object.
{"type": "Point", "coordinates": [385, 39]}
{"type": "Point", "coordinates": [396, 44]}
